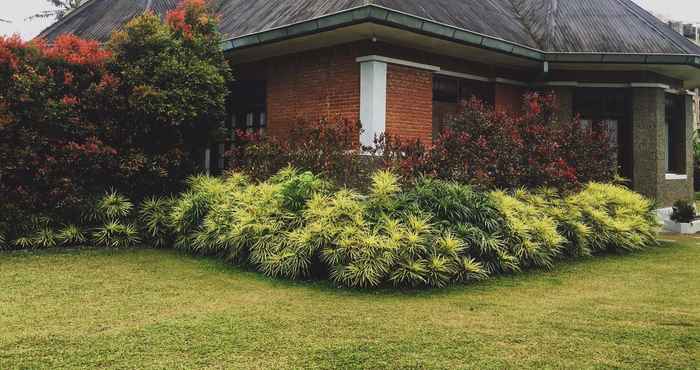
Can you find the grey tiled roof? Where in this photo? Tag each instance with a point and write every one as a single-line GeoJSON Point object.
{"type": "Point", "coordinates": [601, 26]}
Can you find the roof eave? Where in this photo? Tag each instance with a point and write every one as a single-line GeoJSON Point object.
{"type": "Point", "coordinates": [384, 16]}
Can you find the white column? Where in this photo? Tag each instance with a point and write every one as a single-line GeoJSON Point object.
{"type": "Point", "coordinates": [372, 100]}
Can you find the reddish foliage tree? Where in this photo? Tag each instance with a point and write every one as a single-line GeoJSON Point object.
{"type": "Point", "coordinates": [51, 121]}
{"type": "Point", "coordinates": [77, 118]}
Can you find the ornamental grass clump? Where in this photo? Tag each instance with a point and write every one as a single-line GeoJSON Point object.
{"type": "Point", "coordinates": [619, 219]}
{"type": "Point", "coordinates": [190, 209]}
{"type": "Point", "coordinates": [472, 217]}
{"type": "Point", "coordinates": [115, 224]}
{"type": "Point", "coordinates": [154, 218]}
{"type": "Point", "coordinates": [532, 235]}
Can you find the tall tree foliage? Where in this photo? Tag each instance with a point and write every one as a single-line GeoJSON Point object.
{"type": "Point", "coordinates": [76, 117]}
{"type": "Point", "coordinates": [171, 99]}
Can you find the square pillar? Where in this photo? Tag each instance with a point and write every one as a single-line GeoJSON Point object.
{"type": "Point", "coordinates": [372, 100]}
{"type": "Point", "coordinates": [651, 150]}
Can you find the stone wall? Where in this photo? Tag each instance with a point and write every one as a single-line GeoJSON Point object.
{"type": "Point", "coordinates": [650, 152]}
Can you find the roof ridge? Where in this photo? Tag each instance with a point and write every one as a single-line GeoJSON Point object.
{"type": "Point", "coordinates": [67, 17]}
{"type": "Point", "coordinates": [631, 9]}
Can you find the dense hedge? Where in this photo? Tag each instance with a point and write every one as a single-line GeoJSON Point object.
{"type": "Point", "coordinates": [296, 225]}
{"type": "Point", "coordinates": [77, 116]}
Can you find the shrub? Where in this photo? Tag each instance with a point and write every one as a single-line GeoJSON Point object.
{"type": "Point", "coordinates": [114, 234]}
{"type": "Point", "coordinates": [37, 233]}
{"type": "Point", "coordinates": [619, 218]}
{"type": "Point", "coordinates": [431, 234]}
{"type": "Point", "coordinates": [154, 216]}
{"type": "Point", "coordinates": [328, 148]}
{"type": "Point", "coordinates": [189, 211]}
{"type": "Point", "coordinates": [71, 235]}
{"type": "Point", "coordinates": [113, 214]}
{"type": "Point", "coordinates": [683, 212]}
{"type": "Point", "coordinates": [490, 148]}
{"type": "Point", "coordinates": [533, 236]}
{"type": "Point", "coordinates": [76, 116]}
{"type": "Point", "coordinates": [570, 221]}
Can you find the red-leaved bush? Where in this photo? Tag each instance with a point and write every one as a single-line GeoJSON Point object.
{"type": "Point", "coordinates": [52, 148]}
{"type": "Point", "coordinates": [326, 147]}
{"type": "Point", "coordinates": [78, 117]}
{"type": "Point", "coordinates": [496, 149]}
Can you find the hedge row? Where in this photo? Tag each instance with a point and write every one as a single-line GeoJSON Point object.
{"type": "Point", "coordinates": [430, 234]}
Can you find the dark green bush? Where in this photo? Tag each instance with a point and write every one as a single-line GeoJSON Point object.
{"type": "Point", "coordinates": [683, 212]}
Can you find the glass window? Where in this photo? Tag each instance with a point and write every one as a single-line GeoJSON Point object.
{"type": "Point", "coordinates": [609, 110]}
{"type": "Point", "coordinates": [448, 92]}
{"type": "Point", "coordinates": [675, 134]}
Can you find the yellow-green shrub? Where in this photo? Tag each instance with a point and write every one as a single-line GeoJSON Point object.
{"type": "Point", "coordinates": [533, 236]}
{"type": "Point", "coordinates": [619, 218]}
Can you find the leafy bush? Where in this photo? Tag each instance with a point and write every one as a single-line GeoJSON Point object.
{"type": "Point", "coordinates": [115, 227]}
{"type": "Point", "coordinates": [494, 149]}
{"type": "Point", "coordinates": [154, 216]}
{"type": "Point", "coordinates": [683, 212]}
{"type": "Point", "coordinates": [114, 234]}
{"type": "Point", "coordinates": [619, 219]}
{"type": "Point", "coordinates": [428, 233]}
{"type": "Point", "coordinates": [328, 148]}
{"type": "Point", "coordinates": [77, 116]}
{"type": "Point", "coordinates": [71, 235]}
{"type": "Point", "coordinates": [470, 215]}
{"type": "Point", "coordinates": [533, 236]}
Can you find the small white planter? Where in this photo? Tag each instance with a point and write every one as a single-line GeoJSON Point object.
{"type": "Point", "coordinates": [680, 228]}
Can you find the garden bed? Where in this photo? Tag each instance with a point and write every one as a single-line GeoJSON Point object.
{"type": "Point", "coordinates": [425, 233]}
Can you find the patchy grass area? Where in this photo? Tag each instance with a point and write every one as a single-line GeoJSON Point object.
{"type": "Point", "coordinates": [160, 309]}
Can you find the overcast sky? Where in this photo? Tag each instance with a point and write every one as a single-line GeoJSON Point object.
{"type": "Point", "coordinates": [18, 10]}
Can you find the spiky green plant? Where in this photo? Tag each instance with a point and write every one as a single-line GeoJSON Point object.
{"type": "Point", "coordinates": [111, 207]}
{"type": "Point", "coordinates": [619, 219]}
{"type": "Point", "coordinates": [116, 235]}
{"type": "Point", "coordinates": [45, 238]}
{"type": "Point", "coordinates": [189, 210]}
{"type": "Point", "coordinates": [154, 217]}
{"type": "Point", "coordinates": [71, 235]}
{"type": "Point", "coordinates": [452, 203]}
{"type": "Point", "coordinates": [24, 242]}
{"type": "Point", "coordinates": [533, 235]}
{"type": "Point", "coordinates": [410, 273]}
{"type": "Point", "coordinates": [468, 269]}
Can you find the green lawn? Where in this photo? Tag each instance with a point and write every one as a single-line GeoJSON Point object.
{"type": "Point", "coordinates": [160, 309]}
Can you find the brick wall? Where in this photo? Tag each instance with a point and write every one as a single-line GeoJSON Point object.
{"type": "Point", "coordinates": [409, 103]}
{"type": "Point", "coordinates": [323, 83]}
{"type": "Point", "coordinates": [326, 83]}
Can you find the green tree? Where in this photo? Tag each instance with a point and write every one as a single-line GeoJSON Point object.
{"type": "Point", "coordinates": [173, 88]}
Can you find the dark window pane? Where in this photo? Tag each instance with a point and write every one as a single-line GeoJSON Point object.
{"type": "Point", "coordinates": [675, 134]}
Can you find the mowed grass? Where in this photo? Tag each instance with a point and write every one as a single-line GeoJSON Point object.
{"type": "Point", "coordinates": [144, 309]}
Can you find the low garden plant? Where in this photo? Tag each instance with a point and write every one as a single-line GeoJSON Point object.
{"type": "Point", "coordinates": [425, 234]}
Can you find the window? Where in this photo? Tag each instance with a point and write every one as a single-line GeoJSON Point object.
{"type": "Point", "coordinates": [609, 109]}
{"type": "Point", "coordinates": [448, 92]}
{"type": "Point", "coordinates": [247, 111]}
{"type": "Point", "coordinates": [675, 134]}
{"type": "Point", "coordinates": [248, 106]}
{"type": "Point", "coordinates": [454, 90]}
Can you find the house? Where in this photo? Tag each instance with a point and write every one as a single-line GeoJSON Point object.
{"type": "Point", "coordinates": [399, 66]}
